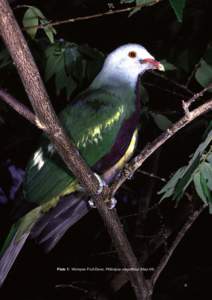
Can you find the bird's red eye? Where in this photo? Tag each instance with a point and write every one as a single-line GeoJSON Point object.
{"type": "Point", "coordinates": [132, 54]}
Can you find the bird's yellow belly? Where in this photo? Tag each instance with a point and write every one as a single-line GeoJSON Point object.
{"type": "Point", "coordinates": [109, 174]}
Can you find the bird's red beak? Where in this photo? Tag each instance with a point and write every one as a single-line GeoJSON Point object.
{"type": "Point", "coordinates": [156, 64]}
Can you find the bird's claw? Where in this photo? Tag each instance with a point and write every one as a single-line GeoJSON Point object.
{"type": "Point", "coordinates": [110, 204]}
{"type": "Point", "coordinates": [101, 182]}
{"type": "Point", "coordinates": [91, 203]}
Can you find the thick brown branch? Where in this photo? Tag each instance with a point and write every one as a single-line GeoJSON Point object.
{"type": "Point", "coordinates": [174, 245]}
{"type": "Point", "coordinates": [150, 148]}
{"type": "Point", "coordinates": [35, 89]}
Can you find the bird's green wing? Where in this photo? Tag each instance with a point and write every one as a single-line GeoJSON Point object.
{"type": "Point", "coordinates": [93, 123]}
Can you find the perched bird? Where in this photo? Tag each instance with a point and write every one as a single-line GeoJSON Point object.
{"type": "Point", "coordinates": [102, 122]}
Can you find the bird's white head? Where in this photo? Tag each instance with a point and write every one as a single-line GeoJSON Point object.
{"type": "Point", "coordinates": [124, 65]}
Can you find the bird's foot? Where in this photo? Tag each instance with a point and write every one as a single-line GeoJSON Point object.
{"type": "Point", "coordinates": [91, 203]}
{"type": "Point", "coordinates": [101, 182]}
{"type": "Point", "coordinates": [110, 204]}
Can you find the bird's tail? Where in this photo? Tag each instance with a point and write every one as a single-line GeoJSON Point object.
{"type": "Point", "coordinates": [53, 225]}
{"type": "Point", "coordinates": [15, 240]}
{"type": "Point", "coordinates": [46, 228]}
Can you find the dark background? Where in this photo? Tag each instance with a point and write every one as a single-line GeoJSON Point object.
{"type": "Point", "coordinates": [187, 276]}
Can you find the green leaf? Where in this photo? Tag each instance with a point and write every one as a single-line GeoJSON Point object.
{"type": "Point", "coordinates": [209, 159]}
{"type": "Point", "coordinates": [34, 17]}
{"type": "Point", "coordinates": [36, 11]}
{"type": "Point", "coordinates": [144, 2]}
{"type": "Point", "coordinates": [206, 172]}
{"type": "Point", "coordinates": [178, 7]}
{"type": "Point", "coordinates": [62, 81]}
{"type": "Point", "coordinates": [186, 179]}
{"type": "Point", "coordinates": [204, 74]}
{"type": "Point", "coordinates": [202, 146]}
{"type": "Point", "coordinates": [71, 65]}
{"type": "Point", "coordinates": [161, 121]}
{"type": "Point", "coordinates": [30, 19]}
{"type": "Point", "coordinates": [199, 188]}
{"type": "Point", "coordinates": [140, 4]}
{"type": "Point", "coordinates": [71, 57]}
{"type": "Point", "coordinates": [192, 166]}
{"type": "Point", "coordinates": [207, 193]}
{"type": "Point", "coordinates": [49, 30]}
{"type": "Point", "coordinates": [169, 188]}
{"type": "Point", "coordinates": [92, 61]}
{"type": "Point", "coordinates": [54, 64]}
{"type": "Point", "coordinates": [177, 185]}
{"type": "Point", "coordinates": [126, 1]}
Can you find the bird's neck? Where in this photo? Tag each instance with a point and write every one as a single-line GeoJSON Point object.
{"type": "Point", "coordinates": [116, 79]}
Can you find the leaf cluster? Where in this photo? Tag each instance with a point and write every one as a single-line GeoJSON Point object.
{"type": "Point", "coordinates": [198, 172]}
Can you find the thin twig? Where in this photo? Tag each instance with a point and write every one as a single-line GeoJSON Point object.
{"type": "Point", "coordinates": [186, 104]}
{"type": "Point", "coordinates": [177, 240]}
{"type": "Point", "coordinates": [94, 16]}
{"type": "Point", "coordinates": [152, 175]}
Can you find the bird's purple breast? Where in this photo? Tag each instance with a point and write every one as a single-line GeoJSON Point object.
{"type": "Point", "coordinates": [122, 141]}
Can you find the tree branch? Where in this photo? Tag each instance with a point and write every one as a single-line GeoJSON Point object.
{"type": "Point", "coordinates": [41, 104]}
